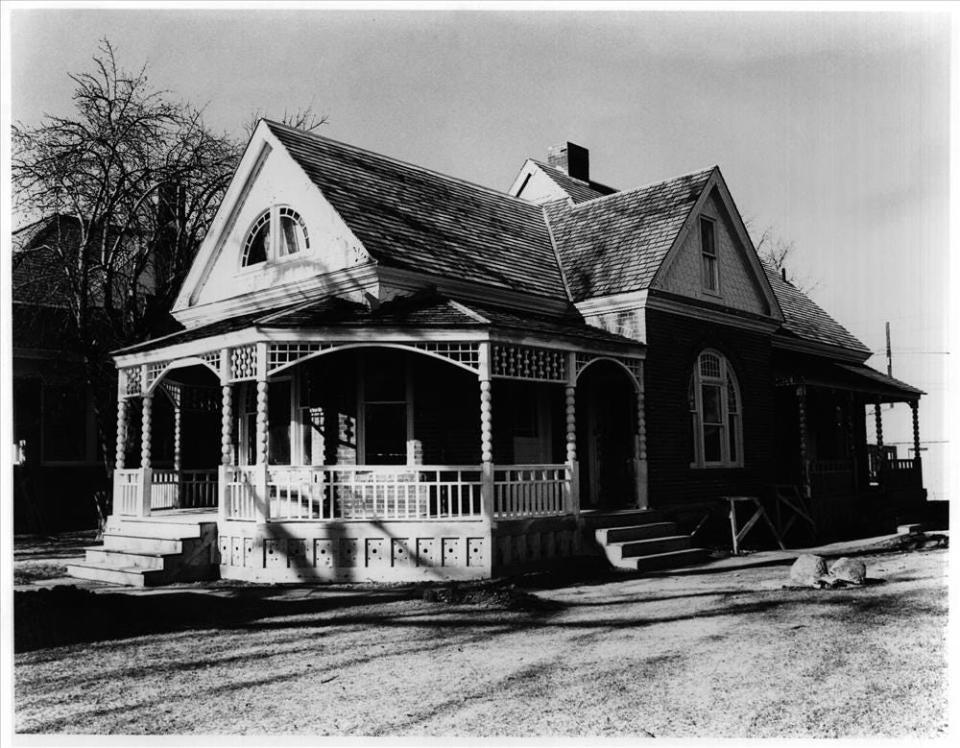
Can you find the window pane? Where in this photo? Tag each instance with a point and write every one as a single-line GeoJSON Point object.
{"type": "Point", "coordinates": [707, 241]}
{"type": "Point", "coordinates": [709, 365]}
{"type": "Point", "coordinates": [711, 404]}
{"type": "Point", "coordinates": [709, 272]}
{"type": "Point", "coordinates": [257, 250]}
{"type": "Point", "coordinates": [712, 439]}
{"type": "Point", "coordinates": [734, 456]}
{"type": "Point", "coordinates": [385, 434]}
{"type": "Point", "coordinates": [290, 233]}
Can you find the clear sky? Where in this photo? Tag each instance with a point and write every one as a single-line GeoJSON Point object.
{"type": "Point", "coordinates": [831, 127]}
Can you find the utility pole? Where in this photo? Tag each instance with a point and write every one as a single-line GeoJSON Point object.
{"type": "Point", "coordinates": [889, 356]}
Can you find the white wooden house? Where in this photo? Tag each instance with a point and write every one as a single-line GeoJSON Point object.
{"type": "Point", "coordinates": [387, 373]}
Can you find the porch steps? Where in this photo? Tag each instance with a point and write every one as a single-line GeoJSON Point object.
{"type": "Point", "coordinates": [642, 541]}
{"type": "Point", "coordinates": [145, 553]}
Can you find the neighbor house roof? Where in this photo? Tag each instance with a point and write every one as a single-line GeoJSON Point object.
{"type": "Point", "coordinates": [616, 243]}
{"type": "Point", "coordinates": [412, 218]}
{"type": "Point", "coordinates": [578, 190]}
{"type": "Point", "coordinates": [803, 319]}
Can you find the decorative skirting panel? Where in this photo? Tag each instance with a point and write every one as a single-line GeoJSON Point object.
{"type": "Point", "coordinates": [524, 544]}
{"type": "Point", "coordinates": [354, 552]}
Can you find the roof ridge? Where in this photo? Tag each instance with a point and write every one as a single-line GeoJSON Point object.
{"type": "Point", "coordinates": [401, 162]}
{"type": "Point", "coordinates": [463, 308]}
{"type": "Point", "coordinates": [633, 190]}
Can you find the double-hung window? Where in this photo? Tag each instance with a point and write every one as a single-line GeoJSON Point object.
{"type": "Point", "coordinates": [709, 271]}
{"type": "Point", "coordinates": [714, 402]}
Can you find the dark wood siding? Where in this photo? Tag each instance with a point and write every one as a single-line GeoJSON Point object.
{"type": "Point", "coordinates": [674, 342]}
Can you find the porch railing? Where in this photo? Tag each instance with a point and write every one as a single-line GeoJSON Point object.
{"type": "Point", "coordinates": [127, 490]}
{"type": "Point", "coordinates": [183, 489]}
{"type": "Point", "coordinates": [394, 492]}
{"type": "Point", "coordinates": [530, 490]}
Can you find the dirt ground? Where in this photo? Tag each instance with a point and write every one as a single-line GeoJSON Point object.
{"type": "Point", "coordinates": [726, 653]}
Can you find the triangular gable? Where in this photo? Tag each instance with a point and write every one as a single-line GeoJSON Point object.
{"type": "Point", "coordinates": [267, 176]}
{"type": "Point", "coordinates": [541, 183]}
{"type": "Point", "coordinates": [743, 281]}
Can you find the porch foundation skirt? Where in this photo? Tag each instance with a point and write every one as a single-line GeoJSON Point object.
{"type": "Point", "coordinates": [391, 551]}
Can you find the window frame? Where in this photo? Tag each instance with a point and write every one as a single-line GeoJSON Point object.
{"type": "Point", "coordinates": [272, 218]}
{"type": "Point", "coordinates": [730, 421]}
{"type": "Point", "coordinates": [713, 257]}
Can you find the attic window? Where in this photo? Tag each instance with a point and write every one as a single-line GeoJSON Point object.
{"type": "Point", "coordinates": [262, 244]}
{"type": "Point", "coordinates": [709, 272]}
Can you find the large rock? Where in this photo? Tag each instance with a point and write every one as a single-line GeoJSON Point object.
{"type": "Point", "coordinates": [808, 570]}
{"type": "Point", "coordinates": [849, 570]}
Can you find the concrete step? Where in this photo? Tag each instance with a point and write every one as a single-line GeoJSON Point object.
{"type": "Point", "coordinates": [620, 518]}
{"type": "Point", "coordinates": [133, 544]}
{"type": "Point", "coordinates": [126, 559]}
{"type": "Point", "coordinates": [635, 532]}
{"type": "Point", "coordinates": [647, 547]}
{"type": "Point", "coordinates": [129, 577]}
{"type": "Point", "coordinates": [669, 560]}
{"type": "Point", "coordinates": [151, 528]}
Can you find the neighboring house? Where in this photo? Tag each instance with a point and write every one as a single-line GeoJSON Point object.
{"type": "Point", "coordinates": [58, 465]}
{"type": "Point", "coordinates": [389, 373]}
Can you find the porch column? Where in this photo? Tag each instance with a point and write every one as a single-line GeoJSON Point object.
{"type": "Point", "coordinates": [805, 487]}
{"type": "Point", "coordinates": [120, 455]}
{"type": "Point", "coordinates": [146, 426]}
{"type": "Point", "coordinates": [878, 424]}
{"type": "Point", "coordinates": [643, 500]}
{"type": "Point", "coordinates": [573, 467]}
{"type": "Point", "coordinates": [915, 412]}
{"type": "Point", "coordinates": [263, 435]}
{"type": "Point", "coordinates": [226, 431]}
{"type": "Point", "coordinates": [486, 435]}
{"type": "Point", "coordinates": [177, 412]}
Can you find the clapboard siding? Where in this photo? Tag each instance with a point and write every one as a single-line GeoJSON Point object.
{"type": "Point", "coordinates": [674, 343]}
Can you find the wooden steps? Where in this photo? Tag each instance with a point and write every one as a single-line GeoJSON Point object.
{"type": "Point", "coordinates": [146, 553]}
{"type": "Point", "coordinates": [641, 541]}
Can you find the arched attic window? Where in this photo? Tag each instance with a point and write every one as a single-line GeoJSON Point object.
{"type": "Point", "coordinates": [263, 244]}
{"type": "Point", "coordinates": [715, 413]}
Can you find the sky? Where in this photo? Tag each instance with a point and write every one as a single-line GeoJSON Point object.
{"type": "Point", "coordinates": [832, 128]}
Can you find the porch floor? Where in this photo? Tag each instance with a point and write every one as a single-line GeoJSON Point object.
{"type": "Point", "coordinates": [186, 516]}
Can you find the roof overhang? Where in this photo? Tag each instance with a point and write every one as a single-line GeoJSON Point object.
{"type": "Point", "coordinates": [851, 378]}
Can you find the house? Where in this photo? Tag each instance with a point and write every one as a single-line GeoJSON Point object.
{"type": "Point", "coordinates": [388, 373]}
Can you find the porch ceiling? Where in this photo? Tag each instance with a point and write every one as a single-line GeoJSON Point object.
{"type": "Point", "coordinates": [418, 314]}
{"type": "Point", "coordinates": [852, 377]}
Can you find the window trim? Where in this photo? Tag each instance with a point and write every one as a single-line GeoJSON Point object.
{"type": "Point", "coordinates": [272, 217]}
{"type": "Point", "coordinates": [714, 257]}
{"type": "Point", "coordinates": [726, 379]}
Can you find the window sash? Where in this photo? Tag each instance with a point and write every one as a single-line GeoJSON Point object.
{"type": "Point", "coordinates": [722, 426]}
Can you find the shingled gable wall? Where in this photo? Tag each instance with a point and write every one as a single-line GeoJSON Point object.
{"type": "Point", "coordinates": [739, 288]}
{"type": "Point", "coordinates": [674, 342]}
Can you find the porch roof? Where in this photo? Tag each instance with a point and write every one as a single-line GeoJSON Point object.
{"type": "Point", "coordinates": [419, 311]}
{"type": "Point", "coordinates": [853, 377]}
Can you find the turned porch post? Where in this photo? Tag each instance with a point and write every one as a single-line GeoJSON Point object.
{"type": "Point", "coordinates": [641, 449]}
{"type": "Point", "coordinates": [573, 467]}
{"type": "Point", "coordinates": [805, 487]}
{"type": "Point", "coordinates": [177, 418]}
{"type": "Point", "coordinates": [120, 455]}
{"type": "Point", "coordinates": [915, 412]}
{"type": "Point", "coordinates": [146, 426]}
{"type": "Point", "coordinates": [486, 435]}
{"type": "Point", "coordinates": [263, 435]}
{"type": "Point", "coordinates": [878, 424]}
{"type": "Point", "coordinates": [226, 431]}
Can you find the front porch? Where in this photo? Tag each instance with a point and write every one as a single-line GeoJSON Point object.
{"type": "Point", "coordinates": [329, 439]}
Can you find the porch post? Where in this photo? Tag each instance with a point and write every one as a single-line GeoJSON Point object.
{"type": "Point", "coordinates": [263, 435]}
{"type": "Point", "coordinates": [176, 436]}
{"type": "Point", "coordinates": [226, 431]}
{"type": "Point", "coordinates": [805, 487]}
{"type": "Point", "coordinates": [573, 469]}
{"type": "Point", "coordinates": [878, 423]}
{"type": "Point", "coordinates": [120, 456]}
{"type": "Point", "coordinates": [915, 412]}
{"type": "Point", "coordinates": [643, 500]}
{"type": "Point", "coordinates": [486, 435]}
{"type": "Point", "coordinates": [146, 425]}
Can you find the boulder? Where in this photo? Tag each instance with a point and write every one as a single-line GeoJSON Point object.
{"type": "Point", "coordinates": [807, 570]}
{"type": "Point", "coordinates": [849, 570]}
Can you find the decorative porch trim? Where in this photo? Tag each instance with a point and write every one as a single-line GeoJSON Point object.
{"type": "Point", "coordinates": [633, 365]}
{"type": "Point", "coordinates": [529, 362]}
{"type": "Point", "coordinates": [284, 355]}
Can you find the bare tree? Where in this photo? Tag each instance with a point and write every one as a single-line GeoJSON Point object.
{"type": "Point", "coordinates": [131, 180]}
{"type": "Point", "coordinates": [775, 251]}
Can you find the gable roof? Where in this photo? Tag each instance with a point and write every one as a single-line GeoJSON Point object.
{"type": "Point", "coordinates": [578, 190]}
{"type": "Point", "coordinates": [412, 218]}
{"type": "Point", "coordinates": [802, 318]}
{"type": "Point", "coordinates": [616, 243]}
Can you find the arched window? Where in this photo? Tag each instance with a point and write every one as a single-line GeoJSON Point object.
{"type": "Point", "coordinates": [714, 402]}
{"type": "Point", "coordinates": [262, 244]}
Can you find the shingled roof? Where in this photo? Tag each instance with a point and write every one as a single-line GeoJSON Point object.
{"type": "Point", "coordinates": [616, 243]}
{"type": "Point", "coordinates": [802, 318]}
{"type": "Point", "coordinates": [412, 218]}
{"type": "Point", "coordinates": [578, 190]}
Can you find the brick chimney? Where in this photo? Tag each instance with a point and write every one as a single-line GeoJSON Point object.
{"type": "Point", "coordinates": [570, 158]}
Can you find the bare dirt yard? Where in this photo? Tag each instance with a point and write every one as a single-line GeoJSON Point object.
{"type": "Point", "coordinates": [708, 652]}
